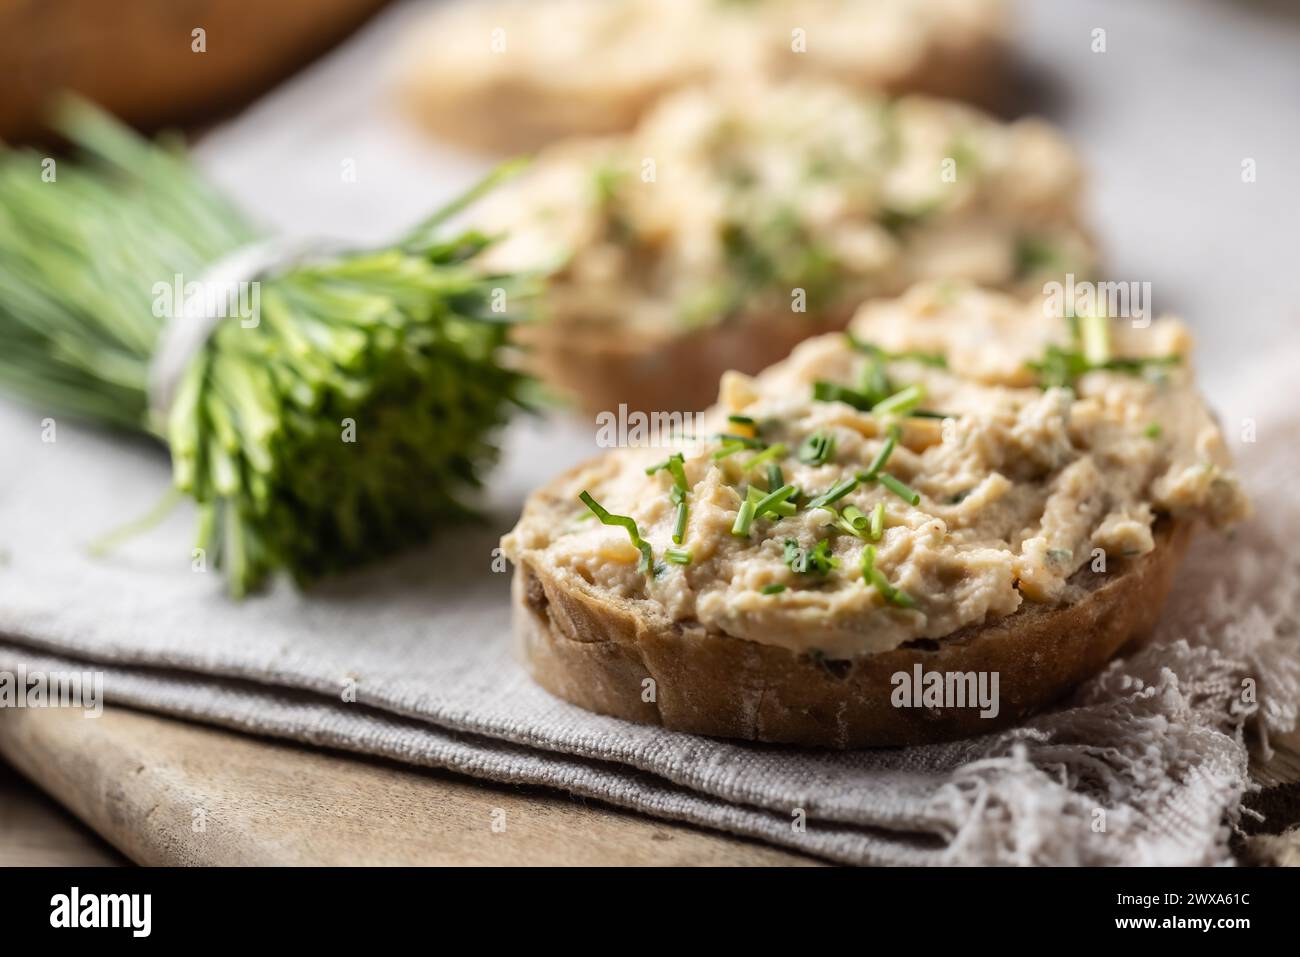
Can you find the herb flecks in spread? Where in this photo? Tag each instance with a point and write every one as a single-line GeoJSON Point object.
{"type": "Point", "coordinates": [725, 201]}
{"type": "Point", "coordinates": [915, 526]}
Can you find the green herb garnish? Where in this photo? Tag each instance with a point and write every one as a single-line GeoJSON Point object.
{"type": "Point", "coordinates": [675, 464]}
{"type": "Point", "coordinates": [773, 499]}
{"type": "Point", "coordinates": [775, 477]}
{"type": "Point", "coordinates": [834, 493]}
{"type": "Point", "coordinates": [816, 560]}
{"type": "Point", "coordinates": [773, 589]}
{"type": "Point", "coordinates": [1034, 255]}
{"type": "Point", "coordinates": [901, 402]}
{"type": "Point", "coordinates": [935, 359]}
{"type": "Point", "coordinates": [886, 450]}
{"type": "Point", "coordinates": [728, 449]}
{"type": "Point", "coordinates": [877, 524]}
{"type": "Point", "coordinates": [780, 507]}
{"type": "Point", "coordinates": [769, 454]}
{"type": "Point", "coordinates": [855, 517]}
{"type": "Point", "coordinates": [1094, 339]}
{"type": "Point", "coordinates": [1060, 367]}
{"type": "Point", "coordinates": [817, 448]}
{"type": "Point", "coordinates": [744, 518]}
{"type": "Point", "coordinates": [623, 521]}
{"type": "Point", "coordinates": [824, 391]}
{"type": "Point", "coordinates": [872, 575]}
{"type": "Point", "coordinates": [678, 556]}
{"type": "Point", "coordinates": [1154, 430]}
{"type": "Point", "coordinates": [898, 488]}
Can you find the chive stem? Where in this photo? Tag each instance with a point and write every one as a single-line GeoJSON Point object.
{"type": "Point", "coordinates": [898, 488]}
{"type": "Point", "coordinates": [877, 528]}
{"type": "Point", "coordinates": [901, 402]}
{"type": "Point", "coordinates": [886, 450]}
{"type": "Point", "coordinates": [623, 521]}
{"type": "Point", "coordinates": [769, 454]}
{"type": "Point", "coordinates": [744, 519]}
{"type": "Point", "coordinates": [835, 493]}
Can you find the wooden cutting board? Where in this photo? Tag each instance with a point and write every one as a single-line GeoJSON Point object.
{"type": "Point", "coordinates": [167, 792]}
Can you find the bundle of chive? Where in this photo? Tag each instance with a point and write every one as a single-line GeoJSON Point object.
{"type": "Point", "coordinates": [349, 421]}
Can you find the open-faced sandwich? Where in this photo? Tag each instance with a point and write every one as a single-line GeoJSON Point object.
{"type": "Point", "coordinates": [926, 528]}
{"type": "Point", "coordinates": [515, 74]}
{"type": "Point", "coordinates": [736, 222]}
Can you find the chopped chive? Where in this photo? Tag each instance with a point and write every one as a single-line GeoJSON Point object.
{"type": "Point", "coordinates": [834, 493]}
{"type": "Point", "coordinates": [745, 440]}
{"type": "Point", "coordinates": [929, 414]}
{"type": "Point", "coordinates": [775, 478]}
{"type": "Point", "coordinates": [777, 497]}
{"type": "Point", "coordinates": [730, 448]}
{"type": "Point", "coordinates": [913, 355]}
{"type": "Point", "coordinates": [773, 589]}
{"type": "Point", "coordinates": [767, 455]}
{"type": "Point", "coordinates": [854, 516]}
{"type": "Point", "coordinates": [875, 379]}
{"type": "Point", "coordinates": [624, 521]}
{"type": "Point", "coordinates": [830, 392]}
{"type": "Point", "coordinates": [925, 358]}
{"type": "Point", "coordinates": [871, 575]}
{"type": "Point", "coordinates": [1142, 364]}
{"type": "Point", "coordinates": [676, 465]}
{"type": "Point", "coordinates": [817, 559]}
{"type": "Point", "coordinates": [678, 556]}
{"type": "Point", "coordinates": [679, 526]}
{"type": "Point", "coordinates": [1153, 431]}
{"type": "Point", "coordinates": [1094, 338]}
{"type": "Point", "coordinates": [877, 528]}
{"type": "Point", "coordinates": [886, 450]}
{"type": "Point", "coordinates": [898, 488]}
{"type": "Point", "coordinates": [817, 448]}
{"type": "Point", "coordinates": [795, 557]}
{"type": "Point", "coordinates": [740, 419]}
{"type": "Point", "coordinates": [820, 558]}
{"type": "Point", "coordinates": [744, 518]}
{"type": "Point", "coordinates": [901, 402]}
{"type": "Point", "coordinates": [784, 509]}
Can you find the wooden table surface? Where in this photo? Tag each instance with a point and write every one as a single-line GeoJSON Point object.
{"type": "Point", "coordinates": [162, 791]}
{"type": "Point", "coordinates": [169, 792]}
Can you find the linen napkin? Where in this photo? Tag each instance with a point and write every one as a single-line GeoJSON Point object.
{"type": "Point", "coordinates": [411, 660]}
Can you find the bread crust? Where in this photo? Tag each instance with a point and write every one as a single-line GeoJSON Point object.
{"type": "Point", "coordinates": [597, 651]}
{"type": "Point", "coordinates": [601, 370]}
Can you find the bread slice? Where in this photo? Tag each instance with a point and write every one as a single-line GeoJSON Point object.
{"type": "Point", "coordinates": [492, 77]}
{"type": "Point", "coordinates": [606, 368]}
{"type": "Point", "coordinates": [597, 651]}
